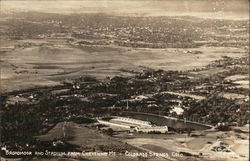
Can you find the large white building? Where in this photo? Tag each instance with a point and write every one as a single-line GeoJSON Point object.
{"type": "Point", "coordinates": [133, 121]}
{"type": "Point", "coordinates": [161, 129]}
{"type": "Point", "coordinates": [134, 125]}
{"type": "Point", "coordinates": [109, 123]}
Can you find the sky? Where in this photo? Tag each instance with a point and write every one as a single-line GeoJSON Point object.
{"type": "Point", "coordinates": [201, 8]}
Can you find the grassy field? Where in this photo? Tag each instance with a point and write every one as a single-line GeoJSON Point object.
{"type": "Point", "coordinates": [85, 138]}
{"type": "Point", "coordinates": [48, 65]}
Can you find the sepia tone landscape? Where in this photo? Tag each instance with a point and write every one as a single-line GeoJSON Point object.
{"type": "Point", "coordinates": [124, 80]}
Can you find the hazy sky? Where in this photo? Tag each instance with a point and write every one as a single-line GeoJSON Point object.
{"type": "Point", "coordinates": [207, 8]}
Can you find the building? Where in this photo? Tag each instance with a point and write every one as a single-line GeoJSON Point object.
{"type": "Point", "coordinates": [133, 121]}
{"type": "Point", "coordinates": [134, 125]}
{"type": "Point", "coordinates": [108, 123]}
{"type": "Point", "coordinates": [159, 129]}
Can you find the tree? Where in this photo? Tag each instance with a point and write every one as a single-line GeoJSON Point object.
{"type": "Point", "coordinates": [109, 132]}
